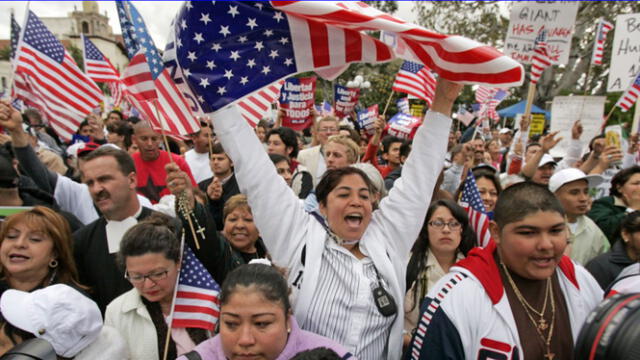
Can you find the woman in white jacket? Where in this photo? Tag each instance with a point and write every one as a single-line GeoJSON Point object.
{"type": "Point", "coordinates": [347, 264]}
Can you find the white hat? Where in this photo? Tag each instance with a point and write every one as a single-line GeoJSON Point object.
{"type": "Point", "coordinates": [546, 159]}
{"type": "Point", "coordinates": [566, 176]}
{"type": "Point", "coordinates": [504, 130]}
{"type": "Point", "coordinates": [374, 176]}
{"type": "Point", "coordinates": [64, 317]}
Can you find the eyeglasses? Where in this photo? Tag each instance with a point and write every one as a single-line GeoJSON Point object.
{"type": "Point", "coordinates": [325, 130]}
{"type": "Point", "coordinates": [139, 279]}
{"type": "Point", "coordinates": [453, 225]}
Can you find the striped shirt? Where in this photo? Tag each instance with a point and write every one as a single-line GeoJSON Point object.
{"type": "Point", "coordinates": [343, 308]}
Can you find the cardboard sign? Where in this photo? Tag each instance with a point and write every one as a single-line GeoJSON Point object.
{"type": "Point", "coordinates": [625, 54]}
{"type": "Point", "coordinates": [566, 110]}
{"type": "Point", "coordinates": [345, 100]}
{"type": "Point", "coordinates": [528, 18]}
{"type": "Point", "coordinates": [297, 98]}
{"type": "Point", "coordinates": [417, 110]}
{"type": "Point", "coordinates": [367, 118]}
{"type": "Point", "coordinates": [403, 126]}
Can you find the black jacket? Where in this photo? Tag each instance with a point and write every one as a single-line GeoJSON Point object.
{"type": "Point", "coordinates": [216, 207]}
{"type": "Point", "coordinates": [606, 267]}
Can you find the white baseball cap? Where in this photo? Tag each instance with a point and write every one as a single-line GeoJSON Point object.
{"type": "Point", "coordinates": [504, 130]}
{"type": "Point", "coordinates": [64, 317]}
{"type": "Point", "coordinates": [566, 176]}
{"type": "Point", "coordinates": [546, 159]}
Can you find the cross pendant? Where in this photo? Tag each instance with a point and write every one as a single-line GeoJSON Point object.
{"type": "Point", "coordinates": [201, 231]}
{"type": "Point", "coordinates": [549, 355]}
{"type": "Point", "coordinates": [542, 324]}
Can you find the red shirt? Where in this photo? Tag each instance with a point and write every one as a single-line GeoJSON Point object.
{"type": "Point", "coordinates": [152, 176]}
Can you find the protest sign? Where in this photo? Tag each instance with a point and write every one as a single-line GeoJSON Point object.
{"type": "Point", "coordinates": [528, 18]}
{"type": "Point", "coordinates": [297, 100]}
{"type": "Point", "coordinates": [625, 53]}
{"type": "Point", "coordinates": [536, 127]}
{"type": "Point", "coordinates": [566, 110]}
{"type": "Point", "coordinates": [367, 118]}
{"type": "Point", "coordinates": [417, 110]}
{"type": "Point", "coordinates": [403, 126]}
{"type": "Point", "coordinates": [345, 100]}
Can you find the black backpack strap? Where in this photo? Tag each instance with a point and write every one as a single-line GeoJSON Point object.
{"type": "Point", "coordinates": [193, 355]}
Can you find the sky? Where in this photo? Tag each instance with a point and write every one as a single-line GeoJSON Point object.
{"type": "Point", "coordinates": [157, 14]}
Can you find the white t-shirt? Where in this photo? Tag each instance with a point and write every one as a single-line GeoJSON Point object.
{"type": "Point", "coordinates": [199, 164]}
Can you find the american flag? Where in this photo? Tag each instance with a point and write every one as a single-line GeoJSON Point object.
{"type": "Point", "coordinates": [15, 36]}
{"type": "Point", "coordinates": [226, 50]}
{"type": "Point", "coordinates": [99, 68]}
{"type": "Point", "coordinates": [464, 116]}
{"type": "Point", "coordinates": [491, 105]}
{"type": "Point", "coordinates": [470, 200]}
{"type": "Point", "coordinates": [403, 105]}
{"type": "Point", "coordinates": [51, 79]}
{"type": "Point", "coordinates": [149, 85]}
{"type": "Point", "coordinates": [540, 59]}
{"type": "Point", "coordinates": [598, 43]}
{"type": "Point", "coordinates": [324, 109]}
{"type": "Point", "coordinates": [417, 80]}
{"type": "Point", "coordinates": [196, 303]}
{"type": "Point", "coordinates": [254, 107]}
{"type": "Point", "coordinates": [483, 94]}
{"type": "Point", "coordinates": [630, 96]}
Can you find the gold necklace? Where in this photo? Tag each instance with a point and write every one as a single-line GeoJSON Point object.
{"type": "Point", "coordinates": [542, 323]}
{"type": "Point", "coordinates": [537, 325]}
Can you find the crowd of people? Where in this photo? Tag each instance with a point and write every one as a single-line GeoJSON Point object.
{"type": "Point", "coordinates": [335, 245]}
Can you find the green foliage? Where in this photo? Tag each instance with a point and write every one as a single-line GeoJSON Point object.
{"type": "Point", "coordinates": [76, 54]}
{"type": "Point", "coordinates": [389, 7]}
{"type": "Point", "coordinates": [5, 53]}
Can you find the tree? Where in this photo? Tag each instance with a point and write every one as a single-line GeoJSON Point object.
{"type": "Point", "coordinates": [487, 22]}
{"type": "Point", "coordinates": [389, 7]}
{"type": "Point", "coordinates": [5, 53]}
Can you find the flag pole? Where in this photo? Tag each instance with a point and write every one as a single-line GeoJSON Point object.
{"type": "Point", "coordinates": [636, 118]}
{"type": "Point", "coordinates": [586, 80]}
{"type": "Point", "coordinates": [173, 301]}
{"type": "Point", "coordinates": [388, 102]}
{"type": "Point", "coordinates": [166, 144]}
{"type": "Point", "coordinates": [530, 95]}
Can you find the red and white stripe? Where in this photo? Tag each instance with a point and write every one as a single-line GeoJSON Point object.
{"type": "Point", "coordinates": [324, 38]}
{"type": "Point", "coordinates": [598, 43]}
{"type": "Point", "coordinates": [161, 102]}
{"type": "Point", "coordinates": [421, 85]}
{"type": "Point", "coordinates": [255, 106]}
{"type": "Point", "coordinates": [195, 307]}
{"type": "Point", "coordinates": [483, 94]}
{"type": "Point", "coordinates": [64, 94]}
{"type": "Point", "coordinates": [539, 61]}
{"type": "Point", "coordinates": [630, 96]}
{"type": "Point", "coordinates": [480, 224]}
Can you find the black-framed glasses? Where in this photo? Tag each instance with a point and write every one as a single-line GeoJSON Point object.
{"type": "Point", "coordinates": [139, 279]}
{"type": "Point", "coordinates": [438, 224]}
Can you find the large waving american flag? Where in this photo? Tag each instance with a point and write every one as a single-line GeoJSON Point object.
{"type": "Point", "coordinates": [99, 68]}
{"type": "Point", "coordinates": [602, 29]}
{"type": "Point", "coordinates": [150, 87]}
{"type": "Point", "coordinates": [471, 201]}
{"type": "Point", "coordinates": [417, 80]}
{"type": "Point", "coordinates": [51, 79]}
{"type": "Point", "coordinates": [227, 50]}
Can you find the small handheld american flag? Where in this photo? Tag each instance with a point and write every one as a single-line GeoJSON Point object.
{"type": "Point", "coordinates": [417, 80]}
{"type": "Point", "coordinates": [630, 96]}
{"type": "Point", "coordinates": [598, 43]}
{"type": "Point", "coordinates": [541, 59]}
{"type": "Point", "coordinates": [470, 200]}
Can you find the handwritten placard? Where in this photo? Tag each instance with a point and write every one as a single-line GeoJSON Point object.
{"type": "Point", "coordinates": [625, 54]}
{"type": "Point", "coordinates": [566, 110]}
{"type": "Point", "coordinates": [528, 18]}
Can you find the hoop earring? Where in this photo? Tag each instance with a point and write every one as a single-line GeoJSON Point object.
{"type": "Point", "coordinates": [53, 263]}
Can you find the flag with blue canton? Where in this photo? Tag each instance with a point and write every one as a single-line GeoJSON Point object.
{"type": "Point", "coordinates": [196, 303]}
{"type": "Point", "coordinates": [149, 86]}
{"type": "Point", "coordinates": [471, 201]}
{"type": "Point", "coordinates": [630, 96]}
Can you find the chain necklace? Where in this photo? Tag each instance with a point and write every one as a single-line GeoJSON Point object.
{"type": "Point", "coordinates": [541, 324]}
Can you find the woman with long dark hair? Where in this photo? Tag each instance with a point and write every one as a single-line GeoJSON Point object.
{"type": "Point", "coordinates": [445, 238]}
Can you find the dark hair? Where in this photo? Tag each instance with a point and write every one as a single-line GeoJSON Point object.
{"type": "Point", "coordinates": [630, 224]}
{"type": "Point", "coordinates": [33, 113]}
{"type": "Point", "coordinates": [600, 136]}
{"type": "Point", "coordinates": [418, 260]}
{"type": "Point", "coordinates": [124, 160]}
{"type": "Point", "coordinates": [84, 123]}
{"type": "Point", "coordinates": [332, 178]}
{"type": "Point", "coordinates": [263, 123]}
{"type": "Point", "coordinates": [621, 178]}
{"type": "Point", "coordinates": [532, 144]}
{"type": "Point", "coordinates": [217, 148]}
{"type": "Point", "coordinates": [321, 353]}
{"type": "Point", "coordinates": [263, 278]}
{"type": "Point", "coordinates": [481, 173]}
{"type": "Point", "coordinates": [121, 128]}
{"type": "Point", "coordinates": [519, 200]}
{"type": "Point", "coordinates": [405, 149]}
{"type": "Point", "coordinates": [276, 158]}
{"type": "Point", "coordinates": [353, 134]}
{"type": "Point", "coordinates": [117, 113]}
{"type": "Point", "coordinates": [154, 234]}
{"type": "Point", "coordinates": [388, 140]}
{"type": "Point", "coordinates": [133, 120]}
{"type": "Point", "coordinates": [288, 137]}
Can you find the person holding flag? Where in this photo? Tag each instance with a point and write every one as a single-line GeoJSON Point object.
{"type": "Point", "coordinates": [153, 262]}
